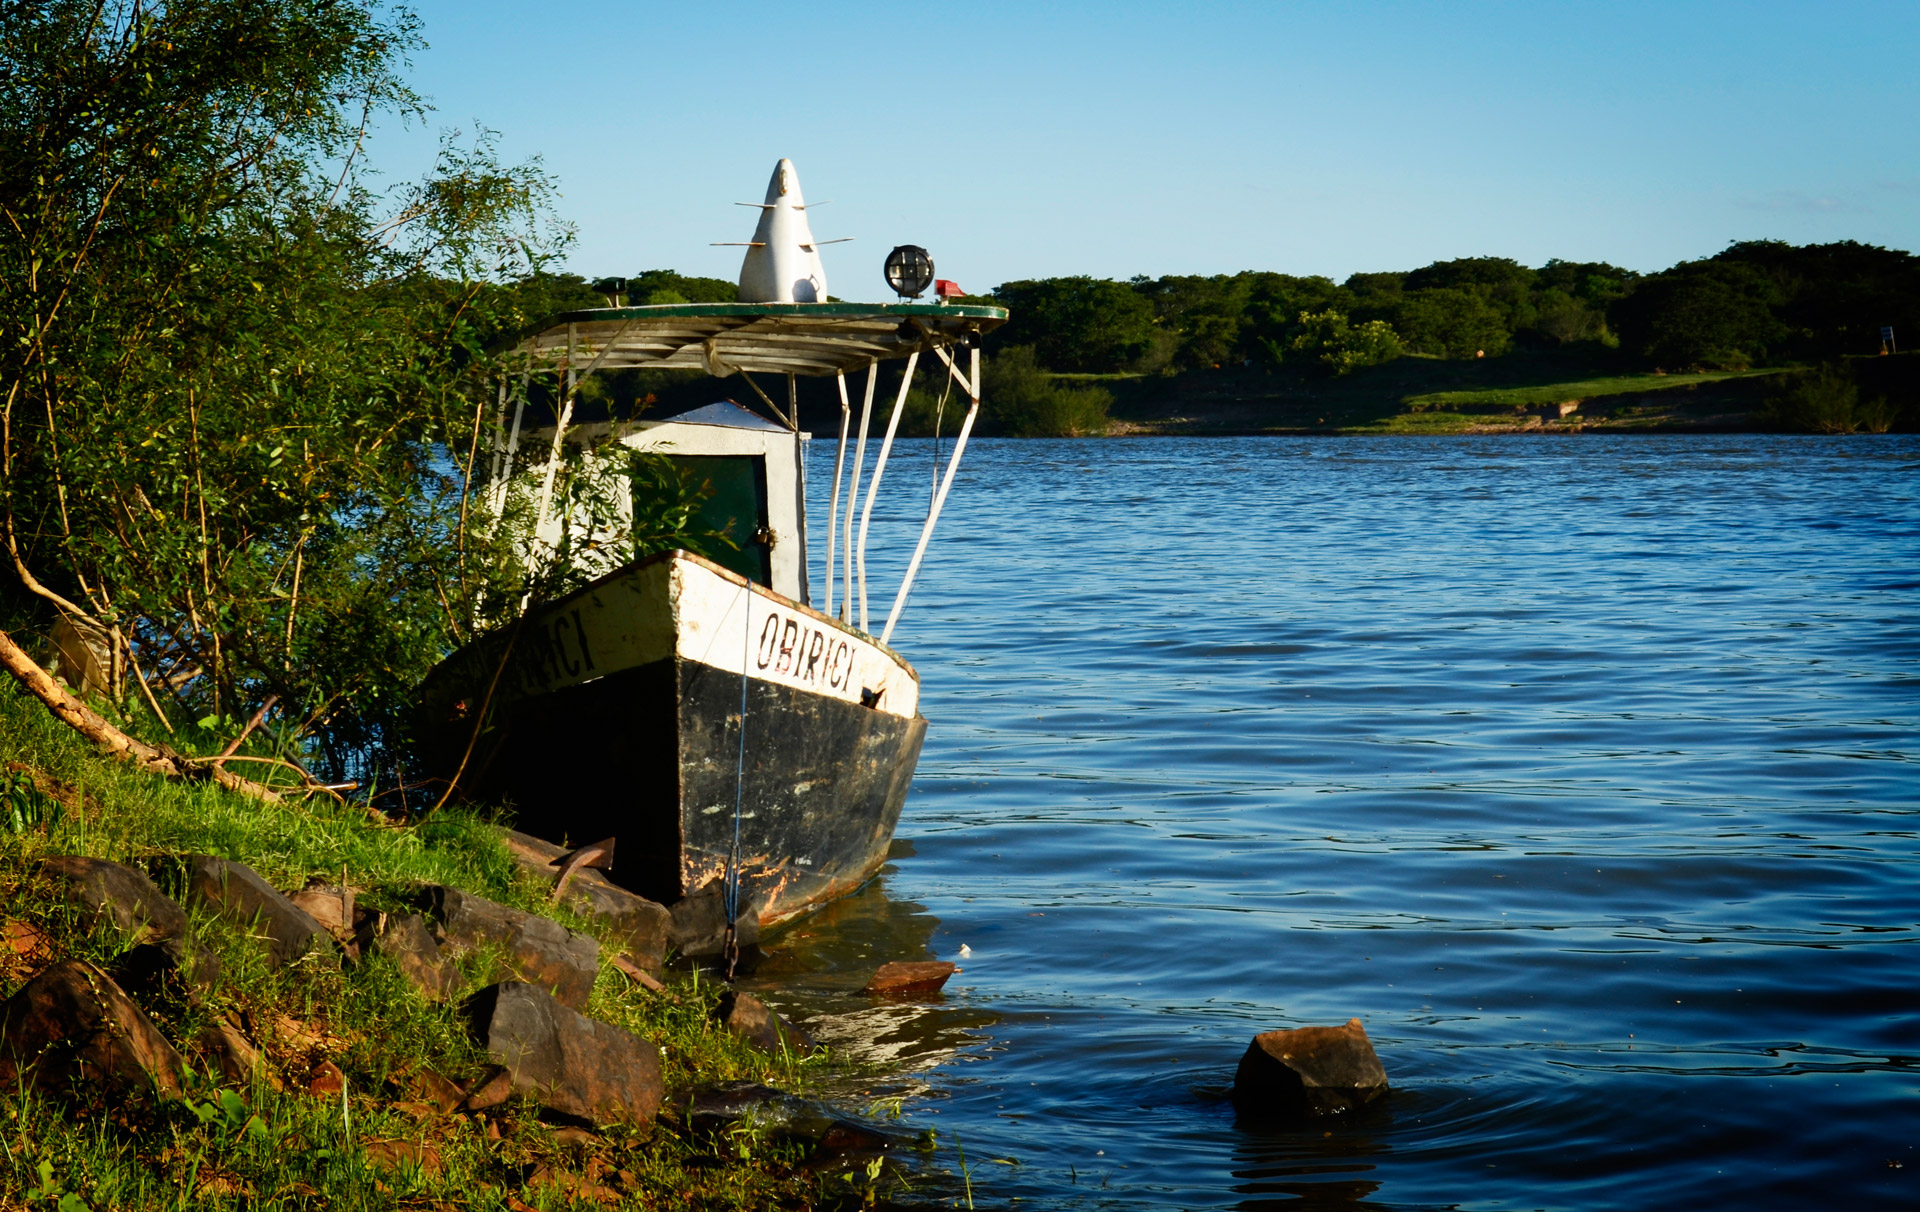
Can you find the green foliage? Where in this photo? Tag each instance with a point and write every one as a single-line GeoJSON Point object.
{"type": "Point", "coordinates": [1079, 324]}
{"type": "Point", "coordinates": [1025, 401]}
{"type": "Point", "coordinates": [1703, 313]}
{"type": "Point", "coordinates": [246, 398]}
{"type": "Point", "coordinates": [25, 808]}
{"type": "Point", "coordinates": [1453, 322]}
{"type": "Point", "coordinates": [1826, 399]}
{"type": "Point", "coordinates": [667, 286]}
{"type": "Point", "coordinates": [1343, 347]}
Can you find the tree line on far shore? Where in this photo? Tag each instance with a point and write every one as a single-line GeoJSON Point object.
{"type": "Point", "coordinates": [1762, 302]}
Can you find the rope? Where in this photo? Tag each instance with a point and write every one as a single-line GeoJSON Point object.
{"type": "Point", "coordinates": [730, 950]}
{"type": "Point", "coordinates": [939, 411]}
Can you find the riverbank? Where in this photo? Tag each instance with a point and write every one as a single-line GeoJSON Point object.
{"type": "Point", "coordinates": [1528, 392]}
{"type": "Point", "coordinates": [335, 1078]}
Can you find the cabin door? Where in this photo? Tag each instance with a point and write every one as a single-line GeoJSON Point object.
{"type": "Point", "coordinates": [737, 508]}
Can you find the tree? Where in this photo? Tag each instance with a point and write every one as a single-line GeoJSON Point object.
{"type": "Point", "coordinates": [1706, 313]}
{"type": "Point", "coordinates": [1081, 324]}
{"type": "Point", "coordinates": [1452, 322]}
{"type": "Point", "coordinates": [244, 396]}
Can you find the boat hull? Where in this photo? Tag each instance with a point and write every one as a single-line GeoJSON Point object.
{"type": "Point", "coordinates": [649, 745]}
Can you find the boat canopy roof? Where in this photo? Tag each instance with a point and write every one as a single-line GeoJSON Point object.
{"type": "Point", "coordinates": [774, 338]}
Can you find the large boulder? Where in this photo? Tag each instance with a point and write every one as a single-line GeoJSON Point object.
{"type": "Point", "coordinates": [537, 949]}
{"type": "Point", "coordinates": [237, 893]}
{"type": "Point", "coordinates": [637, 927]}
{"type": "Point", "coordinates": [104, 892]}
{"type": "Point", "coordinates": [72, 1024]}
{"type": "Point", "coordinates": [405, 939]}
{"type": "Point", "coordinates": [572, 1065]}
{"type": "Point", "coordinates": [1309, 1071]}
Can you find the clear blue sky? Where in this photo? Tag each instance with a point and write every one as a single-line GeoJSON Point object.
{"type": "Point", "coordinates": [1034, 139]}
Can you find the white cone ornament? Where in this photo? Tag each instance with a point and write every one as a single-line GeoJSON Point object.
{"type": "Point", "coordinates": [783, 265]}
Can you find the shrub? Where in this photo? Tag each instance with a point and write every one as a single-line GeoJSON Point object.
{"type": "Point", "coordinates": [1827, 400]}
{"type": "Point", "coordinates": [1344, 347]}
{"type": "Point", "coordinates": [1025, 402]}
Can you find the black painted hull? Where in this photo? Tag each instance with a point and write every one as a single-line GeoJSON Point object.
{"type": "Point", "coordinates": [652, 756]}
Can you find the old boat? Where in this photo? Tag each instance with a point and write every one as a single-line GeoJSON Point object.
{"type": "Point", "coordinates": [725, 730]}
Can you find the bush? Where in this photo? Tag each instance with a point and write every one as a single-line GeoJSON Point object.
{"type": "Point", "coordinates": [1344, 347]}
{"type": "Point", "coordinates": [1827, 400]}
{"type": "Point", "coordinates": [1025, 402]}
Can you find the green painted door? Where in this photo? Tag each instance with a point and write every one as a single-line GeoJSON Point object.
{"type": "Point", "coordinates": [737, 509]}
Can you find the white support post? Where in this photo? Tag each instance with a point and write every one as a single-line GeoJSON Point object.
{"type": "Point", "coordinates": [839, 469]}
{"type": "Point", "coordinates": [853, 495]}
{"type": "Point", "coordinates": [559, 435]}
{"type": "Point", "coordinates": [933, 515]}
{"type": "Point", "coordinates": [873, 485]}
{"type": "Point", "coordinates": [499, 442]}
{"type": "Point", "coordinates": [499, 493]}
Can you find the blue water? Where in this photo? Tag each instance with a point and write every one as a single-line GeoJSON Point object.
{"type": "Point", "coordinates": [1582, 771]}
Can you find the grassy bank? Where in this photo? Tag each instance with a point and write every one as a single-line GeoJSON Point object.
{"type": "Point", "coordinates": [272, 1143]}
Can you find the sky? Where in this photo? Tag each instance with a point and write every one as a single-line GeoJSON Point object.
{"type": "Point", "coordinates": [1028, 140]}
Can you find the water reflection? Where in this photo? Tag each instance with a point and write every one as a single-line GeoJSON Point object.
{"type": "Point", "coordinates": [815, 967]}
{"type": "Point", "coordinates": [1309, 1164]}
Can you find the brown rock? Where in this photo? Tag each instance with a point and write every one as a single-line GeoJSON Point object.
{"type": "Point", "coordinates": [571, 1064]}
{"type": "Point", "coordinates": [539, 950]}
{"type": "Point", "coordinates": [436, 1091]}
{"type": "Point", "coordinates": [326, 1080]}
{"type": "Point", "coordinates": [494, 1088]}
{"type": "Point", "coordinates": [748, 1017]}
{"type": "Point", "coordinates": [405, 939]}
{"type": "Point", "coordinates": [73, 1024]}
{"type": "Point", "coordinates": [237, 893]}
{"type": "Point", "coordinates": [124, 896]}
{"type": "Point", "coordinates": [330, 905]}
{"type": "Point", "coordinates": [910, 978]}
{"type": "Point", "coordinates": [638, 926]}
{"type": "Point", "coordinates": [233, 1054]}
{"type": "Point", "coordinates": [28, 941]}
{"type": "Point", "coordinates": [1309, 1071]}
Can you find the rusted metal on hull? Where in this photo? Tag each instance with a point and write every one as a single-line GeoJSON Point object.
{"type": "Point", "coordinates": [649, 755]}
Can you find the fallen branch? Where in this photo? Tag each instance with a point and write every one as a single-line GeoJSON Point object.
{"type": "Point", "coordinates": [112, 741]}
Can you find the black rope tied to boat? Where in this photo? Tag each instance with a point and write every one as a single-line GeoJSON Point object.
{"type": "Point", "coordinates": [730, 949]}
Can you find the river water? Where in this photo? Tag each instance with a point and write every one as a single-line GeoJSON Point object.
{"type": "Point", "coordinates": [1581, 770]}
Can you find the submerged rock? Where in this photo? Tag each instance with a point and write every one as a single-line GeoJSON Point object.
{"type": "Point", "coordinates": [1309, 1071]}
{"type": "Point", "coordinates": [72, 1024]}
{"type": "Point", "coordinates": [112, 892]}
{"type": "Point", "coordinates": [748, 1017]}
{"type": "Point", "coordinates": [570, 1064]}
{"type": "Point", "coordinates": [537, 949]}
{"type": "Point", "coordinates": [781, 1116]}
{"type": "Point", "coordinates": [237, 893]}
{"type": "Point", "coordinates": [910, 978]}
{"type": "Point", "coordinates": [639, 927]}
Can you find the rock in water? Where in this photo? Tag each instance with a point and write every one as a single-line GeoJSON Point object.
{"type": "Point", "coordinates": [748, 1017]}
{"type": "Point", "coordinates": [910, 978]}
{"type": "Point", "coordinates": [538, 949]}
{"type": "Point", "coordinates": [73, 1024]}
{"type": "Point", "coordinates": [571, 1064]}
{"type": "Point", "coordinates": [237, 892]}
{"type": "Point", "coordinates": [137, 908]}
{"type": "Point", "coordinates": [1309, 1071]}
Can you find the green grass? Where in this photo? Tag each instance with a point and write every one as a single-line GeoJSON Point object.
{"type": "Point", "coordinates": [261, 1147]}
{"type": "Point", "coordinates": [1554, 393]}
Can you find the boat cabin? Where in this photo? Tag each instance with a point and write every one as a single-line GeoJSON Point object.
{"type": "Point", "coordinates": [756, 470]}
